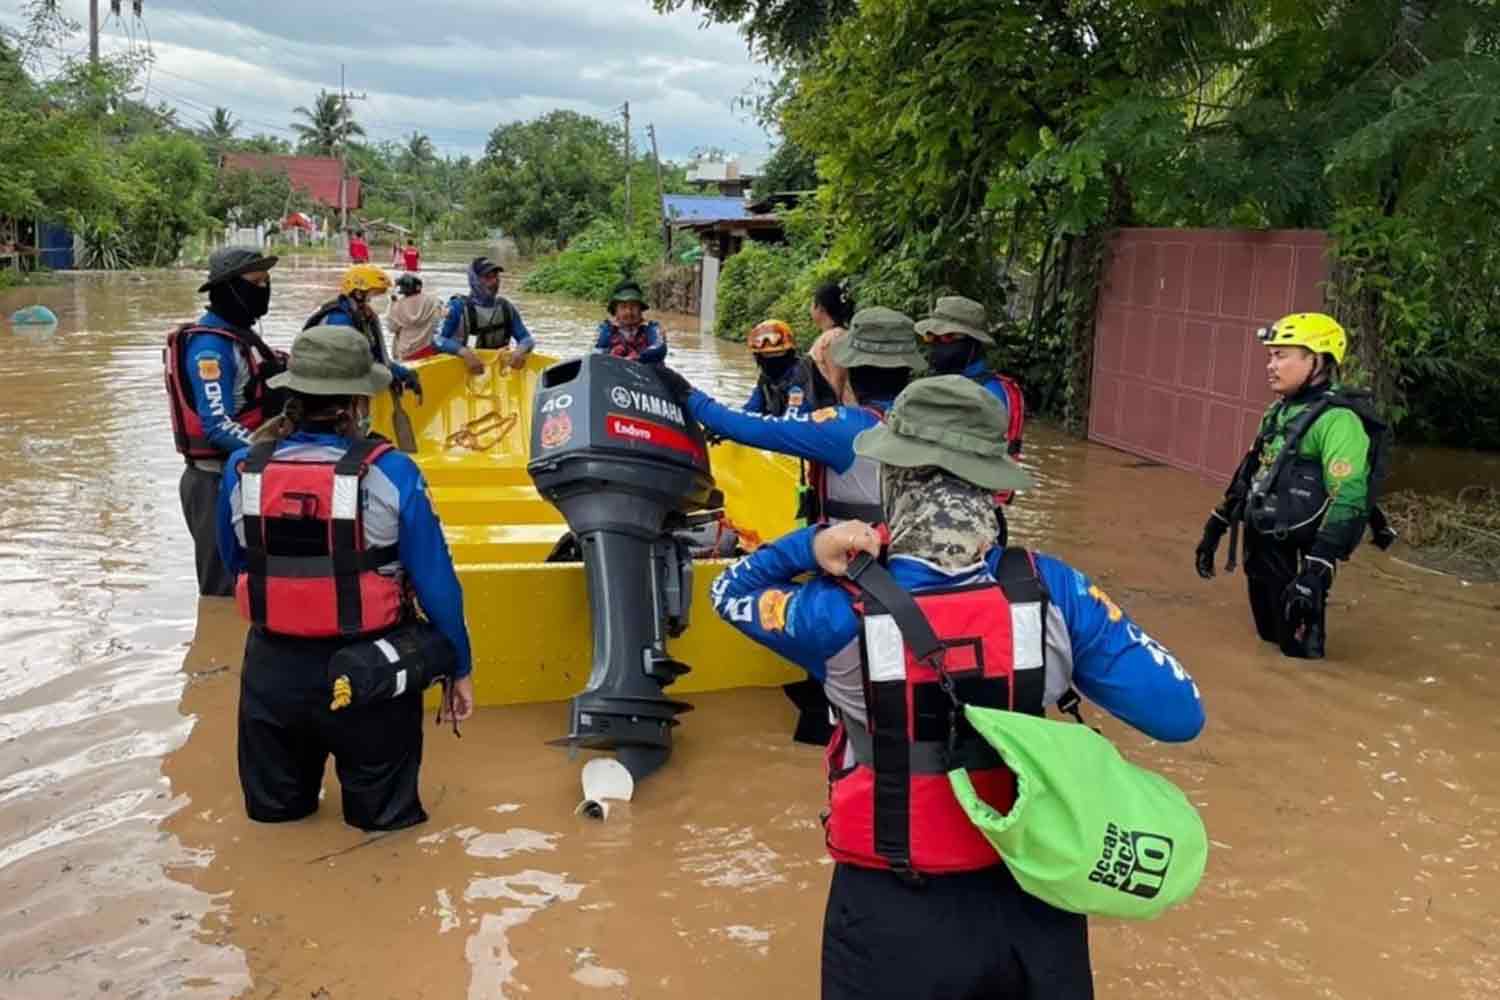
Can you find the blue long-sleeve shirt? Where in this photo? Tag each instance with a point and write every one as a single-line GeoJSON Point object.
{"type": "Point", "coordinates": [1109, 658]}
{"type": "Point", "coordinates": [396, 510]}
{"type": "Point", "coordinates": [450, 338]}
{"type": "Point", "coordinates": [652, 348]}
{"type": "Point", "coordinates": [980, 372]}
{"type": "Point", "coordinates": [825, 435]}
{"type": "Point", "coordinates": [217, 374]}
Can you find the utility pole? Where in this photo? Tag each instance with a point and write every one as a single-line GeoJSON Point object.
{"type": "Point", "coordinates": [627, 169]}
{"type": "Point", "coordinates": [94, 33]}
{"type": "Point", "coordinates": [344, 98]}
{"type": "Point", "coordinates": [661, 192]}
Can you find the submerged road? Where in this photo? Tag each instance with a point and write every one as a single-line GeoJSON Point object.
{"type": "Point", "coordinates": [1352, 804]}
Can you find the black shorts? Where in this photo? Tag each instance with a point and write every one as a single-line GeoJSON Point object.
{"type": "Point", "coordinates": [287, 731]}
{"type": "Point", "coordinates": [977, 936]}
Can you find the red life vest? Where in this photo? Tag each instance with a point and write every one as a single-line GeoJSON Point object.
{"type": "Point", "coordinates": [308, 571]}
{"type": "Point", "coordinates": [411, 259]}
{"type": "Point", "coordinates": [1015, 406]}
{"type": "Point", "coordinates": [260, 403]}
{"type": "Point", "coordinates": [359, 251]}
{"type": "Point", "coordinates": [890, 804]}
{"type": "Point", "coordinates": [826, 487]}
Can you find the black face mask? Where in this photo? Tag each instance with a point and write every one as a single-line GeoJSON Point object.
{"type": "Point", "coordinates": [775, 366]}
{"type": "Point", "coordinates": [240, 302]}
{"type": "Point", "coordinates": [951, 359]}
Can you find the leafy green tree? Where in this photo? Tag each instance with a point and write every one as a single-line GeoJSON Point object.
{"type": "Point", "coordinates": [222, 126]}
{"type": "Point", "coordinates": [790, 168]}
{"type": "Point", "coordinates": [169, 176]}
{"type": "Point", "coordinates": [781, 29]}
{"type": "Point", "coordinates": [327, 126]}
{"type": "Point", "coordinates": [544, 180]}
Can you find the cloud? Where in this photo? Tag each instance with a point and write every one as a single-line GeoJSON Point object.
{"type": "Point", "coordinates": [451, 68]}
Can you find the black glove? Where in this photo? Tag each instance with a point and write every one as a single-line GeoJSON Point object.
{"type": "Point", "coordinates": [679, 387]}
{"type": "Point", "coordinates": [1305, 596]}
{"type": "Point", "coordinates": [1213, 533]}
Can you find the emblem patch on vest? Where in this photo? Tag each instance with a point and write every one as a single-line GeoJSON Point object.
{"type": "Point", "coordinates": [772, 607]}
{"type": "Point", "coordinates": [1340, 468]}
{"type": "Point", "coordinates": [824, 415]}
{"type": "Point", "coordinates": [208, 368]}
{"type": "Point", "coordinates": [1110, 607]}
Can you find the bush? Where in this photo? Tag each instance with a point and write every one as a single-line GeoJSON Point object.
{"type": "Point", "coordinates": [597, 260]}
{"type": "Point", "coordinates": [752, 283]}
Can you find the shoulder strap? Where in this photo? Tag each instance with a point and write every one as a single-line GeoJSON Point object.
{"type": "Point", "coordinates": [876, 582]}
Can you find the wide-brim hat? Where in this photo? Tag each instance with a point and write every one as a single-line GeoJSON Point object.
{"type": "Point", "coordinates": [879, 338]}
{"type": "Point", "coordinates": [231, 262]}
{"type": "Point", "coordinates": [956, 314]}
{"type": "Point", "coordinates": [951, 422]}
{"type": "Point", "coordinates": [627, 291]}
{"type": "Point", "coordinates": [332, 361]}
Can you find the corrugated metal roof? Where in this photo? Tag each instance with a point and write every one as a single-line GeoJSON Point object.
{"type": "Point", "coordinates": [317, 176]}
{"type": "Point", "coordinates": [703, 208]}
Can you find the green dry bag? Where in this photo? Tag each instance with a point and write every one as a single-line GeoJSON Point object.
{"type": "Point", "coordinates": [1089, 832]}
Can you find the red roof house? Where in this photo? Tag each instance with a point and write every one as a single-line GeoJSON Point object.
{"type": "Point", "coordinates": [315, 176]}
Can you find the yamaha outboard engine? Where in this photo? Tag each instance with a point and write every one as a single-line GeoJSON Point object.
{"type": "Point", "coordinates": [622, 461]}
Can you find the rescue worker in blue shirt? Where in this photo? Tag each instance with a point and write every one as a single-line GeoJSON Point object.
{"type": "Point", "coordinates": [217, 371]}
{"type": "Point", "coordinates": [956, 334]}
{"type": "Point", "coordinates": [484, 319]}
{"type": "Point", "coordinates": [788, 381]}
{"type": "Point", "coordinates": [880, 353]}
{"type": "Point", "coordinates": [921, 907]}
{"type": "Point", "coordinates": [326, 573]}
{"type": "Point", "coordinates": [626, 334]}
{"type": "Point", "coordinates": [353, 308]}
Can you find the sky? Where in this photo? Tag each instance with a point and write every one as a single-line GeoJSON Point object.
{"type": "Point", "coordinates": [453, 69]}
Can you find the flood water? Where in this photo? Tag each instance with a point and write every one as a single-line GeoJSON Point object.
{"type": "Point", "coordinates": [1352, 804]}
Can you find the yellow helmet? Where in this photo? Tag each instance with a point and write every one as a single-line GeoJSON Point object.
{"type": "Point", "coordinates": [771, 337]}
{"type": "Point", "coordinates": [1318, 332]}
{"type": "Point", "coordinates": [365, 278]}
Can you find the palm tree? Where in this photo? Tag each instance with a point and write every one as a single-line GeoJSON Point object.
{"type": "Point", "coordinates": [330, 124]}
{"type": "Point", "coordinates": [419, 151]}
{"type": "Point", "coordinates": [221, 127]}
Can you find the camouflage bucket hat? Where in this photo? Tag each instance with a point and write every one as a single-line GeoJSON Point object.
{"type": "Point", "coordinates": [951, 422]}
{"type": "Point", "coordinates": [956, 314]}
{"type": "Point", "coordinates": [880, 338]}
{"type": "Point", "coordinates": [332, 361]}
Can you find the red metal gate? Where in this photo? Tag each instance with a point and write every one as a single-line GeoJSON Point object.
{"type": "Point", "coordinates": [1178, 374]}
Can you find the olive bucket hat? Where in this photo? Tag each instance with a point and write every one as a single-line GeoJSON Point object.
{"type": "Point", "coordinates": [627, 291]}
{"type": "Point", "coordinates": [956, 314]}
{"type": "Point", "coordinates": [332, 361]}
{"type": "Point", "coordinates": [880, 338]}
{"type": "Point", "coordinates": [949, 421]}
{"type": "Point", "coordinates": [231, 262]}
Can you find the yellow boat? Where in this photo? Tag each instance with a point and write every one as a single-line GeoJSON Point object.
{"type": "Point", "coordinates": [529, 619]}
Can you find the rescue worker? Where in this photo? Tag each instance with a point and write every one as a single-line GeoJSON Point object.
{"type": "Point", "coordinates": [216, 376]}
{"type": "Point", "coordinates": [956, 334]}
{"type": "Point", "coordinates": [316, 577]}
{"type": "Point", "coordinates": [484, 319]}
{"type": "Point", "coordinates": [879, 353]}
{"type": "Point", "coordinates": [921, 906]}
{"type": "Point", "coordinates": [832, 311]}
{"type": "Point", "coordinates": [409, 258]}
{"type": "Point", "coordinates": [359, 250]}
{"type": "Point", "coordinates": [1305, 489]}
{"type": "Point", "coordinates": [413, 319]}
{"type": "Point", "coordinates": [626, 334]}
{"type": "Point", "coordinates": [353, 308]}
{"type": "Point", "coordinates": [787, 380]}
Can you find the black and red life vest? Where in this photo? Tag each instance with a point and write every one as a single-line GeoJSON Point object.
{"type": "Point", "coordinates": [308, 571]}
{"type": "Point", "coordinates": [260, 402]}
{"type": "Point", "coordinates": [890, 803]}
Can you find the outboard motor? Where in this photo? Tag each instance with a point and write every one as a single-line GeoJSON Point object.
{"type": "Point", "coordinates": [622, 461]}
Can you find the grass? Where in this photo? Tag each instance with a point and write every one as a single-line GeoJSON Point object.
{"type": "Point", "coordinates": [1459, 534]}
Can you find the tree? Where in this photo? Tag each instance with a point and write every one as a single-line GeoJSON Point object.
{"type": "Point", "coordinates": [544, 180]}
{"type": "Point", "coordinates": [221, 127]}
{"type": "Point", "coordinates": [249, 197]}
{"type": "Point", "coordinates": [418, 153]}
{"type": "Point", "coordinates": [328, 127]}
{"type": "Point", "coordinates": [790, 168]}
{"type": "Point", "coordinates": [781, 29]}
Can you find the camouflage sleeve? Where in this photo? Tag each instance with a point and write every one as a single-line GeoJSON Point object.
{"type": "Point", "coordinates": [1339, 441]}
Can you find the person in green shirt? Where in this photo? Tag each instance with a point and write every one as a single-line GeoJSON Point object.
{"type": "Point", "coordinates": [1305, 490]}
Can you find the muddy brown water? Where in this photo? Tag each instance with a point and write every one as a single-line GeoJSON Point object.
{"type": "Point", "coordinates": [1352, 804]}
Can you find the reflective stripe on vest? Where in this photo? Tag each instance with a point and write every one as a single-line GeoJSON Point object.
{"type": "Point", "coordinates": [893, 807]}
{"type": "Point", "coordinates": [188, 433]}
{"type": "Point", "coordinates": [308, 572]}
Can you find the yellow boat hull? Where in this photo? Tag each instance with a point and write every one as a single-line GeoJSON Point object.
{"type": "Point", "coordinates": [529, 619]}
